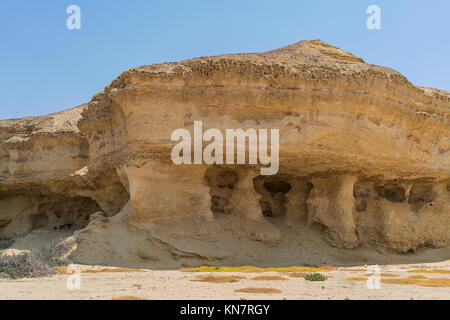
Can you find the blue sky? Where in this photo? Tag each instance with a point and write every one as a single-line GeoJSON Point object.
{"type": "Point", "coordinates": [47, 68]}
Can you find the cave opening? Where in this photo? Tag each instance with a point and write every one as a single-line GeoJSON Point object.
{"type": "Point", "coordinates": [49, 212]}
{"type": "Point", "coordinates": [273, 190]}
{"type": "Point", "coordinates": [391, 192]}
{"type": "Point", "coordinates": [221, 184]}
{"type": "Point", "coordinates": [421, 194]}
{"type": "Point", "coordinates": [69, 213]}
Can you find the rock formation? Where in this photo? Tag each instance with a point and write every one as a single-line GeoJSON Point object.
{"type": "Point", "coordinates": [364, 164]}
{"type": "Point", "coordinates": [44, 180]}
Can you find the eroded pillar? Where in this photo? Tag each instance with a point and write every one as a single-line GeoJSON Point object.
{"type": "Point", "coordinates": [296, 200]}
{"type": "Point", "coordinates": [245, 200]}
{"type": "Point", "coordinates": [330, 205]}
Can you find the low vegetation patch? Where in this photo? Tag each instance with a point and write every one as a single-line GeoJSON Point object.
{"type": "Point", "coordinates": [258, 290]}
{"type": "Point", "coordinates": [354, 270]}
{"type": "Point", "coordinates": [103, 270]}
{"type": "Point", "coordinates": [423, 283]}
{"type": "Point", "coordinates": [430, 271]}
{"type": "Point", "coordinates": [417, 280]}
{"type": "Point", "coordinates": [315, 277]}
{"type": "Point", "coordinates": [329, 268]}
{"type": "Point", "coordinates": [249, 269]}
{"type": "Point", "coordinates": [387, 275]}
{"type": "Point", "coordinates": [270, 278]}
{"type": "Point", "coordinates": [112, 270]}
{"type": "Point", "coordinates": [435, 283]}
{"type": "Point", "coordinates": [401, 281]}
{"type": "Point", "coordinates": [36, 263]}
{"type": "Point", "coordinates": [214, 279]}
{"type": "Point", "coordinates": [296, 274]}
{"type": "Point", "coordinates": [357, 279]}
{"type": "Point", "coordinates": [418, 277]}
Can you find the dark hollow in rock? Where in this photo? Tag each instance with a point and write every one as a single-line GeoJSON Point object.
{"type": "Point", "coordinates": [222, 184]}
{"type": "Point", "coordinates": [273, 190]}
{"type": "Point", "coordinates": [392, 193]}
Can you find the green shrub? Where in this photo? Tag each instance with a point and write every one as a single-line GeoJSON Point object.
{"type": "Point", "coordinates": [315, 277]}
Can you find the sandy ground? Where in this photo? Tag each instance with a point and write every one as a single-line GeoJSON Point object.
{"type": "Point", "coordinates": [177, 285]}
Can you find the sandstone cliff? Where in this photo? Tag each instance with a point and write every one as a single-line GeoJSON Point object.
{"type": "Point", "coordinates": [364, 164]}
{"type": "Point", "coordinates": [44, 181]}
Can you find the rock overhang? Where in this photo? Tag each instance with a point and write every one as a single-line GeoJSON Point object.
{"type": "Point", "coordinates": [362, 149]}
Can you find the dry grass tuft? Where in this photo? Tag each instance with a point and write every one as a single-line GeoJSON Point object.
{"type": "Point", "coordinates": [330, 268]}
{"type": "Point", "coordinates": [418, 277]}
{"type": "Point", "coordinates": [250, 269]}
{"type": "Point", "coordinates": [401, 281]}
{"type": "Point", "coordinates": [258, 290]}
{"type": "Point", "coordinates": [128, 298]}
{"type": "Point", "coordinates": [430, 271]}
{"type": "Point", "coordinates": [104, 270]}
{"type": "Point", "coordinates": [423, 283]}
{"type": "Point", "coordinates": [112, 270]}
{"type": "Point", "coordinates": [357, 279]}
{"type": "Point", "coordinates": [62, 269]}
{"type": "Point", "coordinates": [38, 262]}
{"type": "Point", "coordinates": [296, 274]}
{"type": "Point", "coordinates": [383, 275]}
{"type": "Point", "coordinates": [354, 270]}
{"type": "Point", "coordinates": [443, 282]}
{"type": "Point", "coordinates": [213, 279]}
{"type": "Point", "coordinates": [270, 278]}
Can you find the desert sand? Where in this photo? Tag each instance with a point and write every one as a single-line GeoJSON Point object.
{"type": "Point", "coordinates": [174, 284]}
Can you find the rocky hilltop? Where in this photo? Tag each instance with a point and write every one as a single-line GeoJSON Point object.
{"type": "Point", "coordinates": [364, 165]}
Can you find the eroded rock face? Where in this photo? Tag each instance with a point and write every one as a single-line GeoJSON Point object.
{"type": "Point", "coordinates": [364, 159]}
{"type": "Point", "coordinates": [44, 182]}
